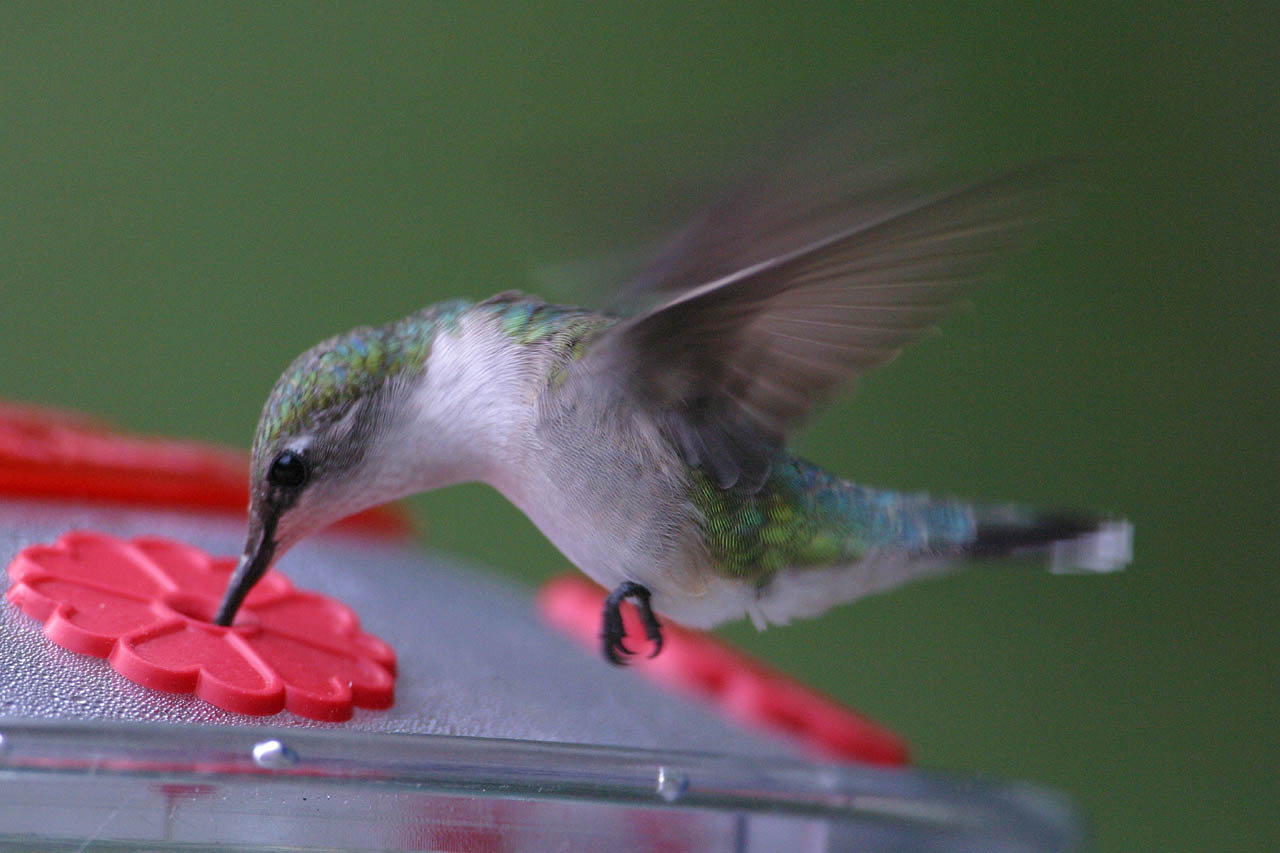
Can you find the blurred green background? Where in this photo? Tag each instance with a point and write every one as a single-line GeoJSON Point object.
{"type": "Point", "coordinates": [191, 194]}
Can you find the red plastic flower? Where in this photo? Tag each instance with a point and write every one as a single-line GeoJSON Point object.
{"type": "Point", "coordinates": [147, 605]}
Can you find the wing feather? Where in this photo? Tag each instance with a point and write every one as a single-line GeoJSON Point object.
{"type": "Point", "coordinates": [732, 365]}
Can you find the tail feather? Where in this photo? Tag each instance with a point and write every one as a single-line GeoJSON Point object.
{"type": "Point", "coordinates": [1108, 548]}
{"type": "Point", "coordinates": [809, 540]}
{"type": "Point", "coordinates": [1072, 543]}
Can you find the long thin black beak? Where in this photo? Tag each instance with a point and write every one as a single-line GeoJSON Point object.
{"type": "Point", "coordinates": [252, 566]}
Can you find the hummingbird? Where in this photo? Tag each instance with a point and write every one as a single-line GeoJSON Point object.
{"type": "Point", "coordinates": [650, 443]}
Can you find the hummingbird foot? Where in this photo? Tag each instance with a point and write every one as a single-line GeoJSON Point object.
{"type": "Point", "coordinates": [613, 632]}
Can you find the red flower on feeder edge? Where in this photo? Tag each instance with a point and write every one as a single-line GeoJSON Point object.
{"type": "Point", "coordinates": [147, 606]}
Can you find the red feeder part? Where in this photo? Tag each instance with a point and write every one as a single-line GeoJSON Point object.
{"type": "Point", "coordinates": [147, 606]}
{"type": "Point", "coordinates": [744, 690]}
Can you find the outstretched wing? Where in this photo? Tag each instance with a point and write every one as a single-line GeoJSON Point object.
{"type": "Point", "coordinates": [731, 365]}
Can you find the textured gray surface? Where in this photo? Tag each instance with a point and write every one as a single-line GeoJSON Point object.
{"type": "Point", "coordinates": [473, 658]}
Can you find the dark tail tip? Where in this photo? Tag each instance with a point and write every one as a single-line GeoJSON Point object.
{"type": "Point", "coordinates": [997, 538]}
{"type": "Point", "coordinates": [1073, 542]}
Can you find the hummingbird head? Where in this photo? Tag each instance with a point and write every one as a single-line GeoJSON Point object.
{"type": "Point", "coordinates": [319, 452]}
{"type": "Point", "coordinates": [373, 415]}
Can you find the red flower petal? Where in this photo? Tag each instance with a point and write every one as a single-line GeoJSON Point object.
{"type": "Point", "coordinates": [297, 615]}
{"type": "Point", "coordinates": [186, 568]}
{"type": "Point", "coordinates": [369, 646]}
{"type": "Point", "coordinates": [147, 606]}
{"type": "Point", "coordinates": [324, 684]}
{"type": "Point", "coordinates": [83, 556]}
{"type": "Point", "coordinates": [186, 657]}
{"type": "Point", "coordinates": [80, 618]}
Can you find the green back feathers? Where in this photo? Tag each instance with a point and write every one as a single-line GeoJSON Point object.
{"type": "Point", "coordinates": [806, 518]}
{"type": "Point", "coordinates": [529, 320]}
{"type": "Point", "coordinates": [566, 330]}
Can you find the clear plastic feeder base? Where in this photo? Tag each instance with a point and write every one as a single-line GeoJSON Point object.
{"type": "Point", "coordinates": [99, 786]}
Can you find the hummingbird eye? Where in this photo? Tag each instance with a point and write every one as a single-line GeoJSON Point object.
{"type": "Point", "coordinates": [287, 471]}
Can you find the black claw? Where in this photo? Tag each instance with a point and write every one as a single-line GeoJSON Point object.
{"type": "Point", "coordinates": [612, 631]}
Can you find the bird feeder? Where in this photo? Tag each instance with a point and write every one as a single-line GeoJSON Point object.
{"type": "Point", "coordinates": [127, 718]}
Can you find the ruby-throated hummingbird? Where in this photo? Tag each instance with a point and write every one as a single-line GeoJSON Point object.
{"type": "Point", "coordinates": [650, 446]}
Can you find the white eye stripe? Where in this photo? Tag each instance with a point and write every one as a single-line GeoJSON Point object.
{"type": "Point", "coordinates": [300, 444]}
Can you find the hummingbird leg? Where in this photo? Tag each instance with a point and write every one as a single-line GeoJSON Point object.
{"type": "Point", "coordinates": [612, 631]}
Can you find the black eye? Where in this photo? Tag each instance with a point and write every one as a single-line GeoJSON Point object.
{"type": "Point", "coordinates": [288, 471]}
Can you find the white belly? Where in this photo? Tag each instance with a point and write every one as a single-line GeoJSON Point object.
{"type": "Point", "coordinates": [612, 535]}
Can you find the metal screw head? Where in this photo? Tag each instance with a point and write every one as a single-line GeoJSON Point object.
{"type": "Point", "coordinates": [273, 755]}
{"type": "Point", "coordinates": [672, 783]}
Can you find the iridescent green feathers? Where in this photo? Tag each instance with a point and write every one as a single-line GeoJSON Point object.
{"type": "Point", "coordinates": [527, 320]}
{"type": "Point", "coordinates": [806, 518]}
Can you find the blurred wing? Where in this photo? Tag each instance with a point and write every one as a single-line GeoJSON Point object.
{"type": "Point", "coordinates": [732, 365]}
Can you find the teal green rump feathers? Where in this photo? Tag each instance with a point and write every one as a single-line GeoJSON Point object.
{"type": "Point", "coordinates": [805, 518]}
